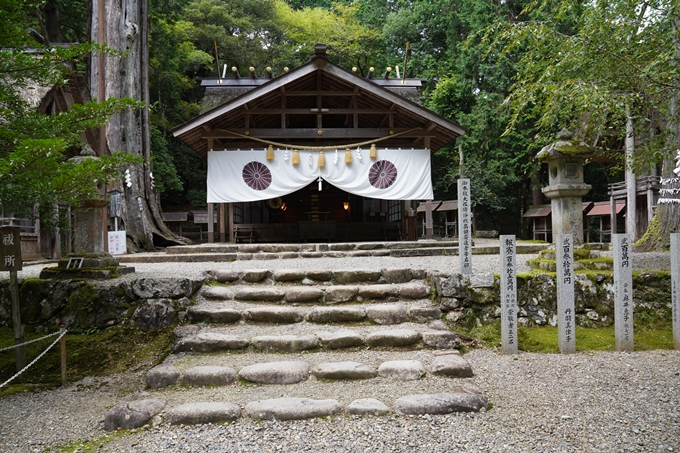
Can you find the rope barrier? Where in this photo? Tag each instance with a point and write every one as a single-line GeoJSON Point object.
{"type": "Point", "coordinates": [34, 360]}
{"type": "Point", "coordinates": [321, 148]}
{"type": "Point", "coordinates": [29, 342]}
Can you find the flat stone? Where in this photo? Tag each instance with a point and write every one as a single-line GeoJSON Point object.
{"type": "Point", "coordinates": [370, 245]}
{"type": "Point", "coordinates": [186, 330]}
{"type": "Point", "coordinates": [288, 275]}
{"type": "Point", "coordinates": [224, 276]}
{"type": "Point", "coordinates": [343, 370]}
{"type": "Point", "coordinates": [162, 375]}
{"type": "Point", "coordinates": [218, 292]}
{"type": "Point", "coordinates": [311, 254]}
{"type": "Point", "coordinates": [440, 339]}
{"type": "Point", "coordinates": [380, 252]}
{"type": "Point", "coordinates": [402, 370]}
{"type": "Point", "coordinates": [437, 324]}
{"type": "Point", "coordinates": [393, 338]}
{"type": "Point", "coordinates": [289, 255]}
{"type": "Point", "coordinates": [289, 247]}
{"type": "Point", "coordinates": [265, 256]}
{"type": "Point", "coordinates": [244, 256]}
{"type": "Point", "coordinates": [424, 313]}
{"type": "Point", "coordinates": [291, 409]}
{"type": "Point", "coordinates": [338, 294]}
{"type": "Point", "coordinates": [392, 275]}
{"type": "Point", "coordinates": [255, 275]}
{"type": "Point", "coordinates": [210, 342]}
{"type": "Point", "coordinates": [322, 276]}
{"type": "Point", "coordinates": [303, 294]}
{"type": "Point", "coordinates": [469, 387]}
{"type": "Point", "coordinates": [440, 403]}
{"type": "Point", "coordinates": [270, 248]}
{"type": "Point", "coordinates": [249, 248]}
{"type": "Point", "coordinates": [133, 414]}
{"type": "Point", "coordinates": [198, 313]}
{"type": "Point", "coordinates": [378, 291]}
{"type": "Point", "coordinates": [336, 314]}
{"type": "Point", "coordinates": [414, 290]}
{"type": "Point", "coordinates": [356, 276]}
{"type": "Point", "coordinates": [387, 314]}
{"type": "Point", "coordinates": [285, 343]}
{"type": "Point", "coordinates": [200, 413]}
{"type": "Point", "coordinates": [258, 293]}
{"type": "Point", "coordinates": [455, 285]}
{"type": "Point", "coordinates": [335, 254]}
{"type": "Point", "coordinates": [340, 339]}
{"type": "Point", "coordinates": [367, 406]}
{"type": "Point", "coordinates": [284, 315]}
{"type": "Point", "coordinates": [209, 376]}
{"type": "Point", "coordinates": [481, 280]}
{"type": "Point", "coordinates": [289, 372]}
{"type": "Point", "coordinates": [342, 247]}
{"type": "Point", "coordinates": [451, 365]}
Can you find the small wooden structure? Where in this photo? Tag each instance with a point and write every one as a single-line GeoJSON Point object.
{"type": "Point", "coordinates": [541, 220]}
{"type": "Point", "coordinates": [647, 194]}
{"type": "Point", "coordinates": [603, 210]}
{"type": "Point", "coordinates": [449, 208]}
{"type": "Point", "coordinates": [318, 104]}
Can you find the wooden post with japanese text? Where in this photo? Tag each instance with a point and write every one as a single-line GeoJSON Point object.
{"type": "Point", "coordinates": [10, 260]}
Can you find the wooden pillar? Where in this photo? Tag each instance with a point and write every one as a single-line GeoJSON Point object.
{"type": "Point", "coordinates": [650, 203]}
{"type": "Point", "coordinates": [428, 219]}
{"type": "Point", "coordinates": [612, 213]}
{"type": "Point", "coordinates": [222, 223]}
{"type": "Point", "coordinates": [230, 221]}
{"type": "Point", "coordinates": [211, 224]}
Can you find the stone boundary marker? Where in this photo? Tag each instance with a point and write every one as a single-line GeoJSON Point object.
{"type": "Point", "coordinates": [566, 320]}
{"type": "Point", "coordinates": [508, 294]}
{"type": "Point", "coordinates": [464, 227]}
{"type": "Point", "coordinates": [675, 287]}
{"type": "Point", "coordinates": [623, 291]}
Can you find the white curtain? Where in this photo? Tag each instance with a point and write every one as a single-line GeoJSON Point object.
{"type": "Point", "coordinates": [396, 174]}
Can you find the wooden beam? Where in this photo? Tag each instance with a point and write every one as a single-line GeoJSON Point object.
{"type": "Point", "coordinates": [308, 133]}
{"type": "Point", "coordinates": [314, 111]}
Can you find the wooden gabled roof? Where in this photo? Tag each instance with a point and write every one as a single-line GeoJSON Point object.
{"type": "Point", "coordinates": [318, 104]}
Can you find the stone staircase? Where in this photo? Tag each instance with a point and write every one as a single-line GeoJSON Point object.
{"type": "Point", "coordinates": [296, 344]}
{"type": "Point", "coordinates": [264, 252]}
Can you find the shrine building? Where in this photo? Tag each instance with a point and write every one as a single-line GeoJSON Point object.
{"type": "Point", "coordinates": [319, 153]}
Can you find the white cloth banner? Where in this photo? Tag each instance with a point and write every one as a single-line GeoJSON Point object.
{"type": "Point", "coordinates": [397, 174]}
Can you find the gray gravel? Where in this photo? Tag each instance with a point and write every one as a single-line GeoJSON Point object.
{"type": "Point", "coordinates": [585, 402]}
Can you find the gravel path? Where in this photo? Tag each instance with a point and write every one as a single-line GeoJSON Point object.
{"type": "Point", "coordinates": [585, 402]}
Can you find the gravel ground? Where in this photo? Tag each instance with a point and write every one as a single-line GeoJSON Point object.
{"type": "Point", "coordinates": [585, 402]}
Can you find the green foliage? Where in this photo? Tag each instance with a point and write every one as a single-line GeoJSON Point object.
{"type": "Point", "coordinates": [165, 173]}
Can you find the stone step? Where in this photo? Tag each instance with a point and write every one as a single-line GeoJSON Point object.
{"type": "Point", "coordinates": [304, 337]}
{"type": "Point", "coordinates": [384, 314]}
{"type": "Point", "coordinates": [446, 363]}
{"type": "Point", "coordinates": [135, 414]}
{"type": "Point", "coordinates": [312, 277]}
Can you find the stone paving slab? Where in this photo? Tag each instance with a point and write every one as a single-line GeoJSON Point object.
{"type": "Point", "coordinates": [289, 372]}
{"type": "Point", "coordinates": [203, 412]}
{"type": "Point", "coordinates": [343, 370]}
{"type": "Point", "coordinates": [291, 409]}
{"type": "Point", "coordinates": [440, 403]}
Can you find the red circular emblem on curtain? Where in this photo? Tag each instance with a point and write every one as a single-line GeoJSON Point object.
{"type": "Point", "coordinates": [257, 175]}
{"type": "Point", "coordinates": [382, 174]}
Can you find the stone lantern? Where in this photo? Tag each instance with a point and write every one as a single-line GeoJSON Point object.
{"type": "Point", "coordinates": [565, 159]}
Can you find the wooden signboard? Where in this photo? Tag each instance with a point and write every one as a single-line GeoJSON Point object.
{"type": "Point", "coordinates": [10, 249]}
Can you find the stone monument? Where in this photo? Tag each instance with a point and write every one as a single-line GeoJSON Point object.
{"type": "Point", "coordinates": [565, 159]}
{"type": "Point", "coordinates": [90, 258]}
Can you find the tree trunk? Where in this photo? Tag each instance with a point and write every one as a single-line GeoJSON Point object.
{"type": "Point", "coordinates": [126, 29]}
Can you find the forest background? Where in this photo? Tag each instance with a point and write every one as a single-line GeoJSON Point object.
{"type": "Point", "coordinates": [513, 73]}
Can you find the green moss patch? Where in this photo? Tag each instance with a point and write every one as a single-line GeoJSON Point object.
{"type": "Point", "coordinates": [113, 350]}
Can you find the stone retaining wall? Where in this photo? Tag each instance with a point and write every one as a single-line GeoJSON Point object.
{"type": "Point", "coordinates": [155, 303]}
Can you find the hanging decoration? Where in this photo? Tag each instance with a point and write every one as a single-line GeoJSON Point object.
{"type": "Point", "coordinates": [335, 158]}
{"type": "Point", "coordinates": [296, 157]}
{"type": "Point", "coordinates": [322, 160]}
{"type": "Point", "coordinates": [348, 156]}
{"type": "Point", "coordinates": [374, 152]}
{"type": "Point", "coordinates": [270, 153]}
{"type": "Point", "coordinates": [320, 184]}
{"type": "Point", "coordinates": [235, 176]}
{"type": "Point", "coordinates": [286, 156]}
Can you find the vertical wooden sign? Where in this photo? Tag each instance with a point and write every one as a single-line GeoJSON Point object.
{"type": "Point", "coordinates": [508, 294]}
{"type": "Point", "coordinates": [464, 227]}
{"type": "Point", "coordinates": [10, 260]}
{"type": "Point", "coordinates": [566, 320]}
{"type": "Point", "coordinates": [623, 291]}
